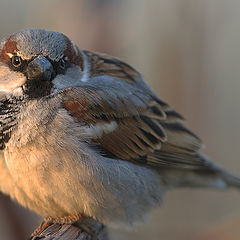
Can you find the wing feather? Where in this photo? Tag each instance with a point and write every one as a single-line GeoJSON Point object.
{"type": "Point", "coordinates": [147, 129]}
{"type": "Point", "coordinates": [146, 135]}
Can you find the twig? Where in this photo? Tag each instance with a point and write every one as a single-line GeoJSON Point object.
{"type": "Point", "coordinates": [88, 229]}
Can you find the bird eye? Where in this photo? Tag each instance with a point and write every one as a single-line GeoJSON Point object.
{"type": "Point", "coordinates": [16, 61]}
{"type": "Point", "coordinates": [62, 63]}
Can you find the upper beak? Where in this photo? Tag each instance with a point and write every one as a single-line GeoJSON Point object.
{"type": "Point", "coordinates": [40, 69]}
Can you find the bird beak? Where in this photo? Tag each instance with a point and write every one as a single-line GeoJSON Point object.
{"type": "Point", "coordinates": [41, 69]}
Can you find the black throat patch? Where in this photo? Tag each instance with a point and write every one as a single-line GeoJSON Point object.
{"type": "Point", "coordinates": [37, 88]}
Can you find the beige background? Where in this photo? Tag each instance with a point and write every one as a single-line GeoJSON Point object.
{"type": "Point", "coordinates": [189, 53]}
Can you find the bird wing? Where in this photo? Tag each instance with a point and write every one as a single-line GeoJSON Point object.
{"type": "Point", "coordinates": [127, 121]}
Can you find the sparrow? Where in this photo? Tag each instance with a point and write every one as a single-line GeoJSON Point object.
{"type": "Point", "coordinates": [83, 135]}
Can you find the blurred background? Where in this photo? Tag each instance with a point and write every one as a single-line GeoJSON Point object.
{"type": "Point", "coordinates": [188, 51]}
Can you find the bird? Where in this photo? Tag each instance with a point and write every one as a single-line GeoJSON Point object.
{"type": "Point", "coordinates": [83, 135]}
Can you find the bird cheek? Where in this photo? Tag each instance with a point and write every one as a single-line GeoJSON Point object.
{"type": "Point", "coordinates": [10, 80]}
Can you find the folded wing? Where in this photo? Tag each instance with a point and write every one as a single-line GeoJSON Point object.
{"type": "Point", "coordinates": [149, 132]}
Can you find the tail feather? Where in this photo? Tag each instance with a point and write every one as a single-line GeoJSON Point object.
{"type": "Point", "coordinates": [230, 179]}
{"type": "Point", "coordinates": [208, 176]}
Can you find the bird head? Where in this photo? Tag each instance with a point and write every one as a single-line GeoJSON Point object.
{"type": "Point", "coordinates": [31, 59]}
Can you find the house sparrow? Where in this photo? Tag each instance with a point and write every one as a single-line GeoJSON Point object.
{"type": "Point", "coordinates": [82, 134]}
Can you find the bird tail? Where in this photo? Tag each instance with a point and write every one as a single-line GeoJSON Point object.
{"type": "Point", "coordinates": [208, 176]}
{"type": "Point", "coordinates": [221, 177]}
{"type": "Point", "coordinates": [230, 179]}
{"type": "Point", "coordinates": [212, 178]}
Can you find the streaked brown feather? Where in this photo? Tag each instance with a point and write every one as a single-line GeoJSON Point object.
{"type": "Point", "coordinates": [151, 133]}
{"type": "Point", "coordinates": [103, 64]}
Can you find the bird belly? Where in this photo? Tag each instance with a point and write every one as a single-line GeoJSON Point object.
{"type": "Point", "coordinates": [59, 182]}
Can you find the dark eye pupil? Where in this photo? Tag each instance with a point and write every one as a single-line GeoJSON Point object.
{"type": "Point", "coordinates": [16, 61]}
{"type": "Point", "coordinates": [62, 63]}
